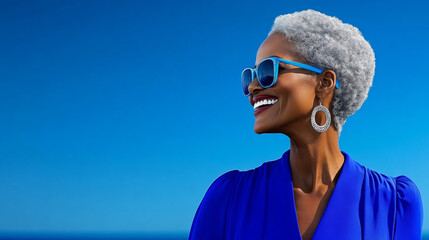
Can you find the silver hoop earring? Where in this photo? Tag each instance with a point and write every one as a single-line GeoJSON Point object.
{"type": "Point", "coordinates": [325, 126]}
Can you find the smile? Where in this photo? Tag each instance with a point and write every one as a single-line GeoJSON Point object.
{"type": "Point", "coordinates": [263, 105]}
{"type": "Point", "coordinates": [265, 102]}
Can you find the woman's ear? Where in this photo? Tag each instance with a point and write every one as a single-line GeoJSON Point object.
{"type": "Point", "coordinates": [325, 83]}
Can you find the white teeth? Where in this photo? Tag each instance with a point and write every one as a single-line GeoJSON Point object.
{"type": "Point", "coordinates": [264, 102]}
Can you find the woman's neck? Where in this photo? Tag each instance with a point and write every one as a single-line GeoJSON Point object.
{"type": "Point", "coordinates": [315, 160]}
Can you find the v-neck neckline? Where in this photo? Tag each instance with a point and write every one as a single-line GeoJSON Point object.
{"type": "Point", "coordinates": [333, 199]}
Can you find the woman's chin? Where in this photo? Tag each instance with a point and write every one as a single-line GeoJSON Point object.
{"type": "Point", "coordinates": [259, 129]}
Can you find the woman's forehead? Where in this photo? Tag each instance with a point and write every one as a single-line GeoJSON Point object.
{"type": "Point", "coordinates": [276, 45]}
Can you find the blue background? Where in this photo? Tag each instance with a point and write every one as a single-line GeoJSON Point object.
{"type": "Point", "coordinates": [116, 116]}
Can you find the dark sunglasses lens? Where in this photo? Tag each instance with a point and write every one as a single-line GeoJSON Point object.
{"type": "Point", "coordinates": [266, 73]}
{"type": "Point", "coordinates": [246, 79]}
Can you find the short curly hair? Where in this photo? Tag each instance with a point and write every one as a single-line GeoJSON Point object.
{"type": "Point", "coordinates": [328, 43]}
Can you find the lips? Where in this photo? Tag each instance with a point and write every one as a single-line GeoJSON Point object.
{"type": "Point", "coordinates": [260, 105]}
{"type": "Point", "coordinates": [261, 109]}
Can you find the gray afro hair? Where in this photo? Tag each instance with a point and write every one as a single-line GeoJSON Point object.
{"type": "Point", "coordinates": [326, 42]}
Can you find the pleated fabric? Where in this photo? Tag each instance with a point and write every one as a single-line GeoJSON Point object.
{"type": "Point", "coordinates": [259, 204]}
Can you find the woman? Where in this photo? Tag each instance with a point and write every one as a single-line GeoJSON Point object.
{"type": "Point", "coordinates": [309, 68]}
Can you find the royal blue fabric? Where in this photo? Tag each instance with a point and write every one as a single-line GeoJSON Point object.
{"type": "Point", "coordinates": [259, 204]}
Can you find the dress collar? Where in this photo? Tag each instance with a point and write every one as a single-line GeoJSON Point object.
{"type": "Point", "coordinates": [340, 219]}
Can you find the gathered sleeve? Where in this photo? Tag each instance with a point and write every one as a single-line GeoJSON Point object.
{"type": "Point", "coordinates": [409, 210]}
{"type": "Point", "coordinates": [210, 219]}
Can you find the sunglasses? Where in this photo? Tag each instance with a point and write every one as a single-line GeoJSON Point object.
{"type": "Point", "coordinates": [267, 72]}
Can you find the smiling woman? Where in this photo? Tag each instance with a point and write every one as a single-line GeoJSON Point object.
{"type": "Point", "coordinates": [309, 68]}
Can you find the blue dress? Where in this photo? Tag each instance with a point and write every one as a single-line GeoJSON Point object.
{"type": "Point", "coordinates": [259, 204]}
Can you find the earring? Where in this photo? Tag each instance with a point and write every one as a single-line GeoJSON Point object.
{"type": "Point", "coordinates": [322, 108]}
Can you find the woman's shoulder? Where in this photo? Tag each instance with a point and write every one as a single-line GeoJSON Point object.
{"type": "Point", "coordinates": [228, 180]}
{"type": "Point", "coordinates": [209, 220]}
{"type": "Point", "coordinates": [222, 184]}
{"type": "Point", "coordinates": [400, 194]}
{"type": "Point", "coordinates": [409, 209]}
{"type": "Point", "coordinates": [403, 187]}
{"type": "Point", "coordinates": [213, 211]}
{"type": "Point", "coordinates": [407, 190]}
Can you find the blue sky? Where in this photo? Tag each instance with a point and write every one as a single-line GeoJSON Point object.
{"type": "Point", "coordinates": [116, 116]}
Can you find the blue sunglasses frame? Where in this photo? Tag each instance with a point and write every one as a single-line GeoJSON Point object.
{"type": "Point", "coordinates": [276, 61]}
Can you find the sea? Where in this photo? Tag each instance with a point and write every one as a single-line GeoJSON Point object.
{"type": "Point", "coordinates": [73, 236]}
{"type": "Point", "coordinates": [102, 237]}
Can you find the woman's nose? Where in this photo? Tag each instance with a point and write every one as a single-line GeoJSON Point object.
{"type": "Point", "coordinates": [254, 86]}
